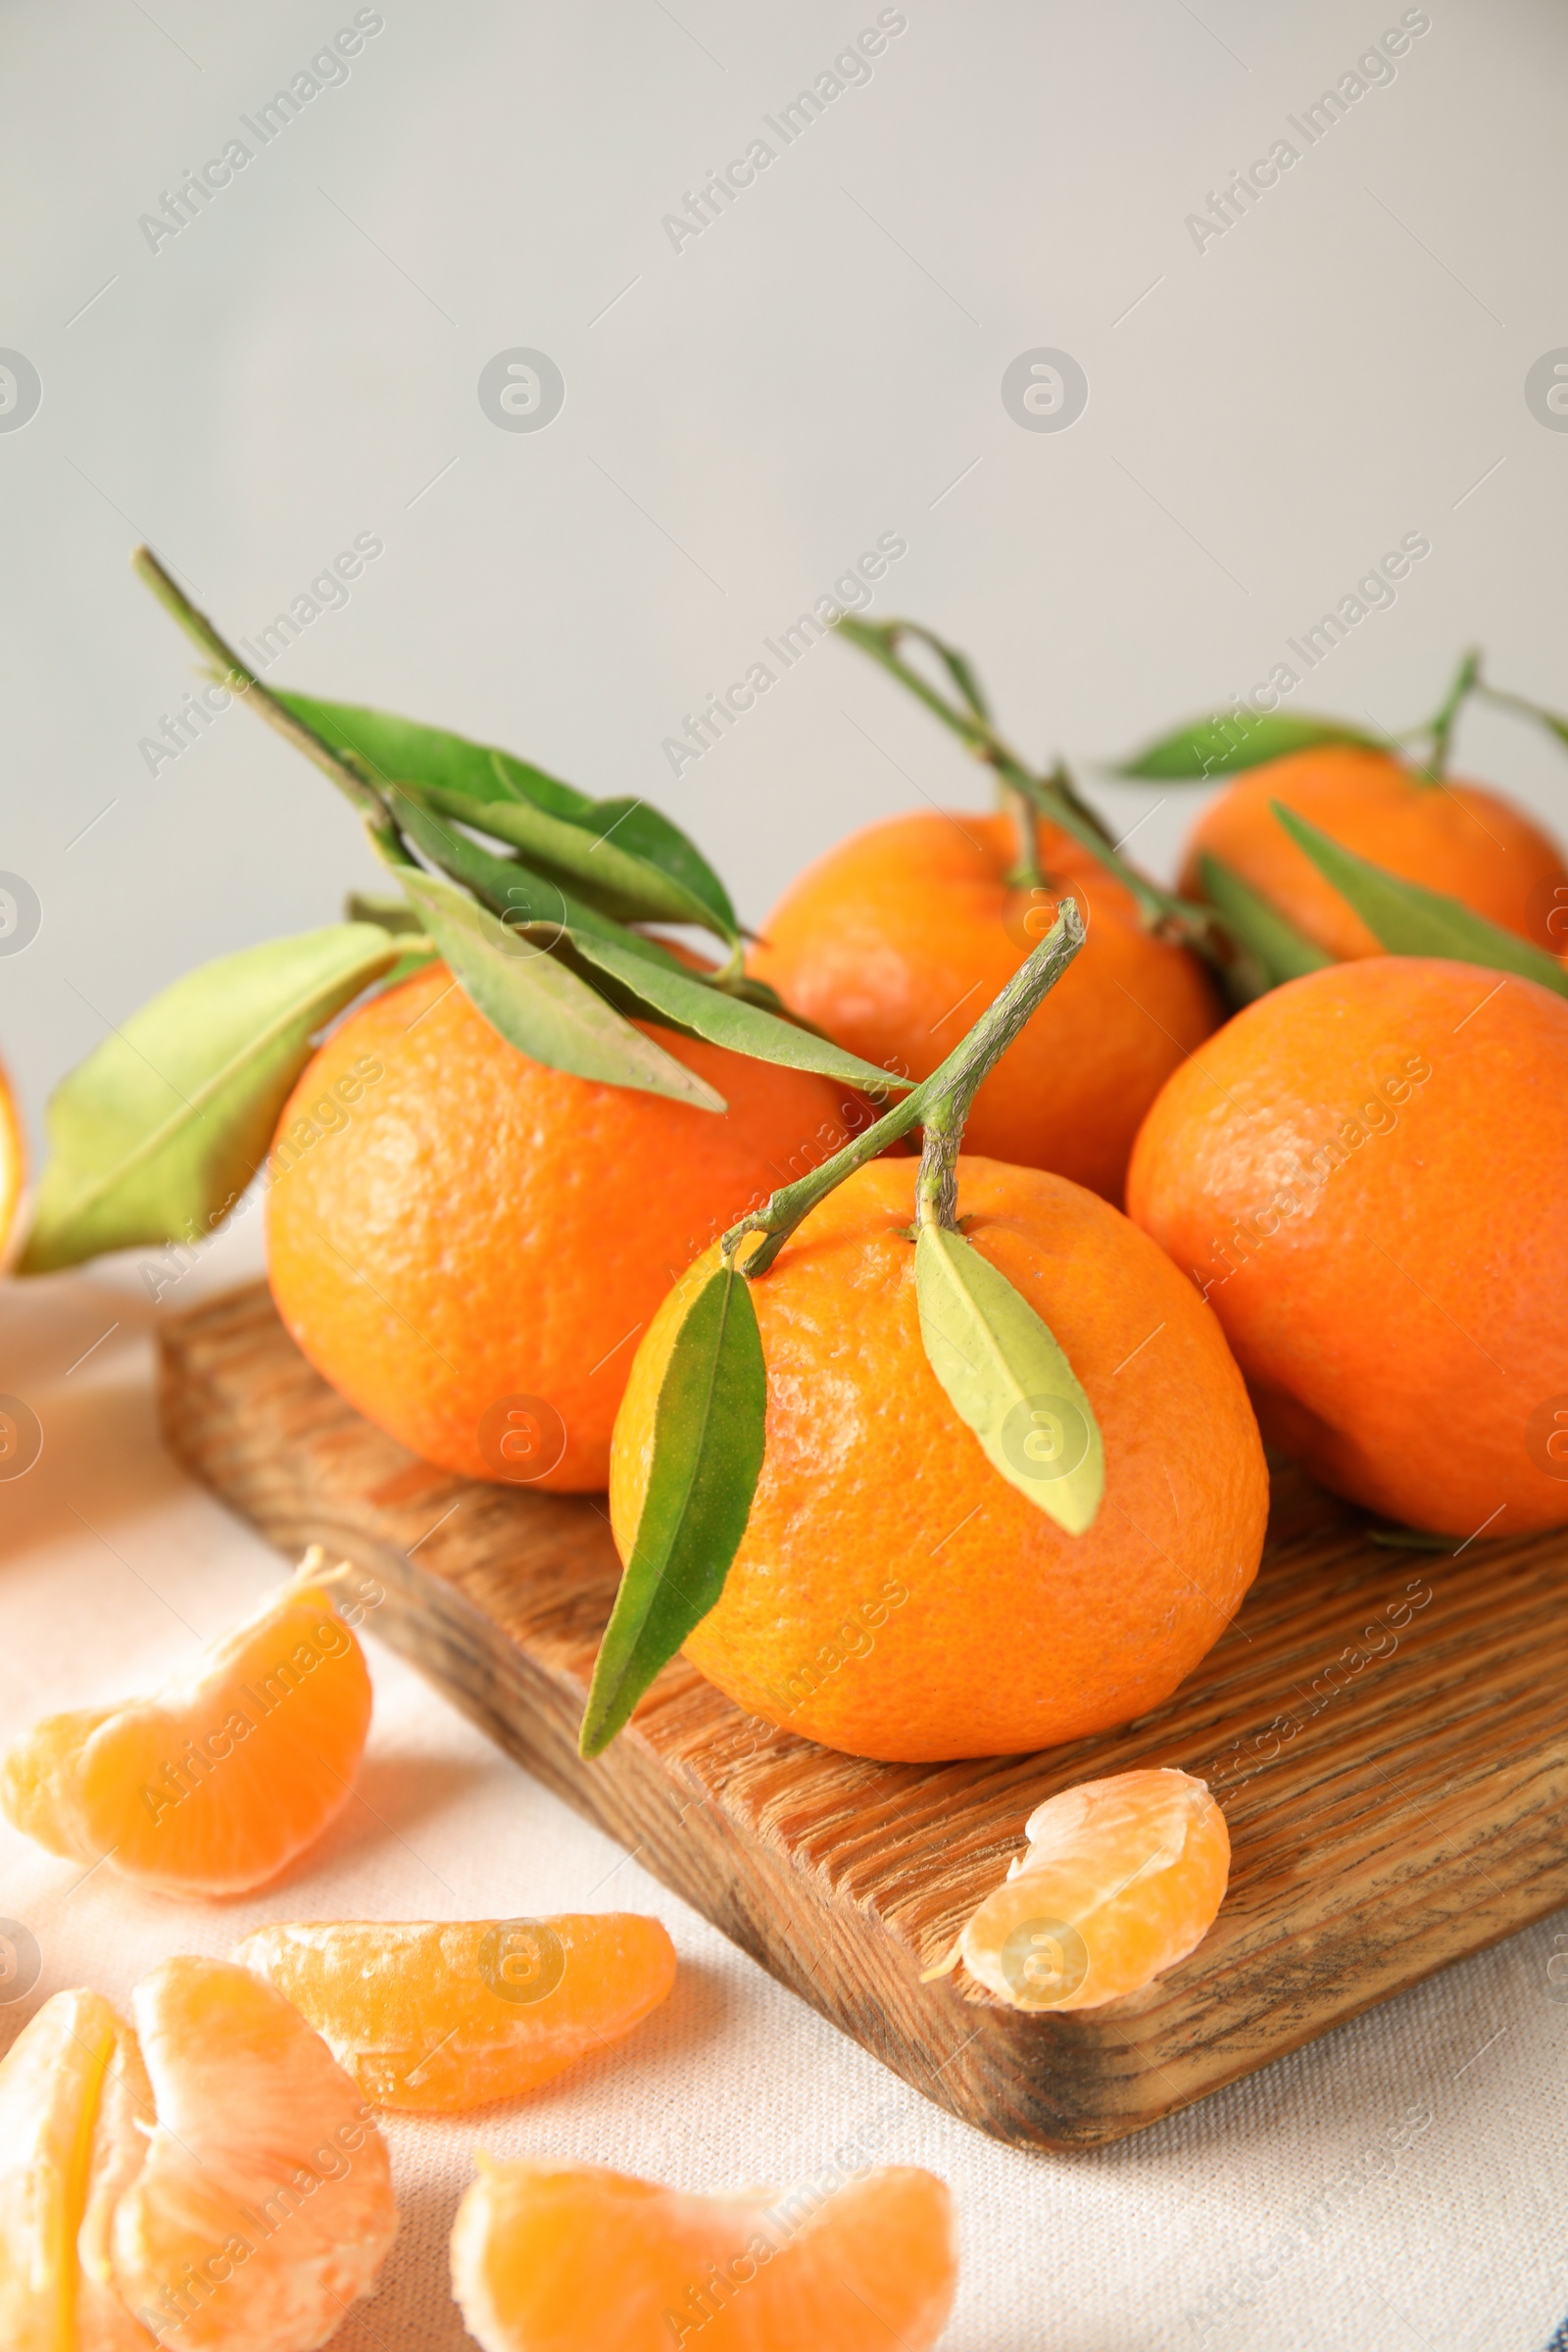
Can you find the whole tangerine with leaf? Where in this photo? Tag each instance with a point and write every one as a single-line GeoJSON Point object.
{"type": "Point", "coordinates": [896, 937]}
{"type": "Point", "coordinates": [534, 1109]}
{"type": "Point", "coordinates": [1363, 1173]}
{"type": "Point", "coordinates": [932, 1460]}
{"type": "Point", "coordinates": [1392, 803]}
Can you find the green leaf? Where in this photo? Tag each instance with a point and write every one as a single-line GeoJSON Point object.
{"type": "Point", "coordinates": [1275, 947]}
{"type": "Point", "coordinates": [674, 994]}
{"type": "Point", "coordinates": [539, 1006]}
{"type": "Point", "coordinates": [1008, 1380]}
{"type": "Point", "coordinates": [1406, 919]}
{"type": "Point", "coordinates": [399, 750]}
{"type": "Point", "coordinates": [524, 899]}
{"type": "Point", "coordinates": [709, 1434]}
{"type": "Point", "coordinates": [570, 852]}
{"type": "Point", "coordinates": [1229, 740]}
{"type": "Point", "coordinates": [158, 1133]}
{"type": "Point", "coordinates": [646, 831]}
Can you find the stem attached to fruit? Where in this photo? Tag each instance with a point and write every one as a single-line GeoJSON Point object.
{"type": "Point", "coordinates": [939, 1104]}
{"type": "Point", "coordinates": [1467, 677]}
{"type": "Point", "coordinates": [231, 672]}
{"type": "Point", "coordinates": [1052, 796]}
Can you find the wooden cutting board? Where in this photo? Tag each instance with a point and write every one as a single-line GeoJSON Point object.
{"type": "Point", "coordinates": [1385, 1729]}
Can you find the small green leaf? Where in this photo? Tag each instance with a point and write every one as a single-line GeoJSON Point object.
{"type": "Point", "coordinates": [570, 852]}
{"type": "Point", "coordinates": [709, 1434]}
{"type": "Point", "coordinates": [1278, 950]}
{"type": "Point", "coordinates": [1229, 740]}
{"type": "Point", "coordinates": [399, 750]}
{"type": "Point", "coordinates": [677, 995]}
{"type": "Point", "coordinates": [157, 1134]}
{"type": "Point", "coordinates": [524, 899]}
{"type": "Point", "coordinates": [649, 834]}
{"type": "Point", "coordinates": [1407, 919]}
{"type": "Point", "coordinates": [1008, 1380]}
{"type": "Point", "coordinates": [539, 1006]}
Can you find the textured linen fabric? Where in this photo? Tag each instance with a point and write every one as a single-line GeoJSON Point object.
{"type": "Point", "coordinates": [1401, 2183]}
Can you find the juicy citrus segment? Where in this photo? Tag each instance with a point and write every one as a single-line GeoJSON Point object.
{"type": "Point", "coordinates": [12, 1160]}
{"type": "Point", "coordinates": [264, 2205]}
{"type": "Point", "coordinates": [1122, 1879]}
{"type": "Point", "coordinates": [72, 2062]}
{"type": "Point", "coordinates": [552, 2258]}
{"type": "Point", "coordinates": [212, 1786]}
{"type": "Point", "coordinates": [443, 2015]}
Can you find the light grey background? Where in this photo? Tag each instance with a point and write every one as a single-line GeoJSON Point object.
{"type": "Point", "coordinates": [742, 418]}
{"type": "Point", "coordinates": [301, 364]}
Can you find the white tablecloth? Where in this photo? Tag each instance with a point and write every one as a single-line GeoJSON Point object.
{"type": "Point", "coordinates": [1277, 2215]}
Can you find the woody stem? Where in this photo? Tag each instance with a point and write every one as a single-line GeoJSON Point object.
{"type": "Point", "coordinates": [940, 1103]}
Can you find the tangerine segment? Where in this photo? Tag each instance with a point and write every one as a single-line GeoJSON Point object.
{"type": "Point", "coordinates": [236, 1766]}
{"type": "Point", "coordinates": [443, 2015]}
{"type": "Point", "coordinates": [554, 2258]}
{"type": "Point", "coordinates": [1122, 1879]}
{"type": "Point", "coordinates": [71, 2092]}
{"type": "Point", "coordinates": [893, 1595]}
{"type": "Point", "coordinates": [264, 2206]}
{"type": "Point", "coordinates": [1460, 839]}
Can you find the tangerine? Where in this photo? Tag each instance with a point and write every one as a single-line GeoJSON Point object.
{"type": "Point", "coordinates": [897, 937]}
{"type": "Point", "coordinates": [1460, 839]}
{"type": "Point", "coordinates": [467, 1244]}
{"type": "Point", "coordinates": [215, 1785]}
{"type": "Point", "coordinates": [443, 2015]}
{"type": "Point", "coordinates": [573, 2258]}
{"type": "Point", "coordinates": [210, 2180]}
{"type": "Point", "coordinates": [893, 1595]}
{"type": "Point", "coordinates": [1364, 1172]}
{"type": "Point", "coordinates": [1122, 1879]}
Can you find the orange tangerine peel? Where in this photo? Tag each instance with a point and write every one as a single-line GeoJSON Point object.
{"type": "Point", "coordinates": [444, 2015]}
{"type": "Point", "coordinates": [1122, 1879]}
{"type": "Point", "coordinates": [574, 2258]}
{"type": "Point", "coordinates": [208, 2181]}
{"type": "Point", "coordinates": [216, 1783]}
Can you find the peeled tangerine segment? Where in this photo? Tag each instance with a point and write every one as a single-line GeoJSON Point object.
{"type": "Point", "coordinates": [445, 2015]}
{"type": "Point", "coordinates": [208, 2182]}
{"type": "Point", "coordinates": [1122, 1879]}
{"type": "Point", "coordinates": [214, 1786]}
{"type": "Point", "coordinates": [555, 2258]}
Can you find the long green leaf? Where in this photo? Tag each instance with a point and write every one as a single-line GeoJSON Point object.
{"type": "Point", "coordinates": [708, 1434]}
{"type": "Point", "coordinates": [537, 1005]}
{"type": "Point", "coordinates": [726, 1020]}
{"type": "Point", "coordinates": [590, 863]}
{"type": "Point", "coordinates": [157, 1134]}
{"type": "Point", "coordinates": [1008, 1380]}
{"type": "Point", "coordinates": [399, 751]}
{"type": "Point", "coordinates": [1229, 740]}
{"type": "Point", "coordinates": [629, 857]}
{"type": "Point", "coordinates": [524, 898]}
{"type": "Point", "coordinates": [1275, 946]}
{"type": "Point", "coordinates": [1407, 919]}
{"type": "Point", "coordinates": [646, 831]}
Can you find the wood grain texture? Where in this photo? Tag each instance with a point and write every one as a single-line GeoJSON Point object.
{"type": "Point", "coordinates": [1385, 1729]}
